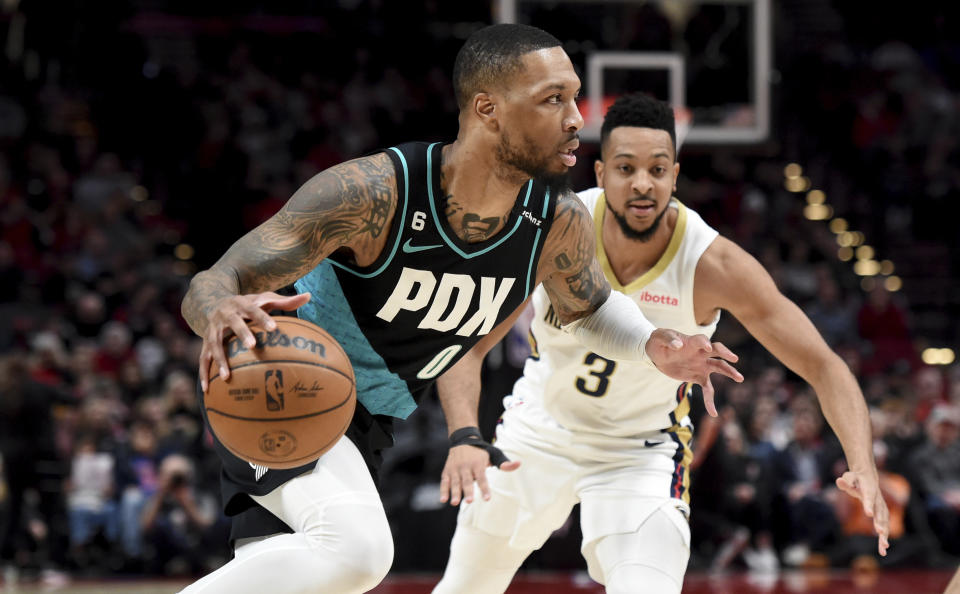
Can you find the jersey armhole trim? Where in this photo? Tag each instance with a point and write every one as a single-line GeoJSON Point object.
{"type": "Point", "coordinates": [536, 241]}
{"type": "Point", "coordinates": [403, 218]}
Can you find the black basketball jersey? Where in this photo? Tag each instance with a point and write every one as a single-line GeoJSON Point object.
{"type": "Point", "coordinates": [407, 317]}
{"type": "Point", "coordinates": [429, 297]}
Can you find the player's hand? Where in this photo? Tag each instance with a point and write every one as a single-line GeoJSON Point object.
{"type": "Point", "coordinates": [465, 465]}
{"type": "Point", "coordinates": [865, 486]}
{"type": "Point", "coordinates": [692, 359]}
{"type": "Point", "coordinates": [231, 316]}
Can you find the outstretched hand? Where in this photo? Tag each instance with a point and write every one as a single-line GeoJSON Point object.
{"type": "Point", "coordinates": [865, 486]}
{"type": "Point", "coordinates": [231, 317]}
{"type": "Point", "coordinates": [465, 465]}
{"type": "Point", "coordinates": [692, 359]}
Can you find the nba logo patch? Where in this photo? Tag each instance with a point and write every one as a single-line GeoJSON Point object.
{"type": "Point", "coordinates": [273, 387]}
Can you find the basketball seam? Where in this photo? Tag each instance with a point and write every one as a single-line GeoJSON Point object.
{"type": "Point", "coordinates": [276, 419]}
{"type": "Point", "coordinates": [273, 361]}
{"type": "Point", "coordinates": [305, 456]}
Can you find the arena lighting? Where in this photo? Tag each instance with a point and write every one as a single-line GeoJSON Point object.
{"type": "Point", "coordinates": [934, 356]}
{"type": "Point", "coordinates": [866, 268]}
{"type": "Point", "coordinates": [797, 184]}
{"type": "Point", "coordinates": [817, 212]}
{"type": "Point", "coordinates": [865, 252]}
{"type": "Point", "coordinates": [851, 242]}
{"type": "Point", "coordinates": [139, 193]}
{"type": "Point", "coordinates": [838, 225]}
{"type": "Point", "coordinates": [184, 268]}
{"type": "Point", "coordinates": [816, 197]}
{"type": "Point", "coordinates": [183, 251]}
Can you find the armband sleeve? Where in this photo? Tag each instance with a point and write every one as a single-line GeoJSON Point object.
{"type": "Point", "coordinates": [616, 330]}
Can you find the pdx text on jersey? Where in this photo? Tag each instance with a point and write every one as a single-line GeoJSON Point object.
{"type": "Point", "coordinates": [415, 291]}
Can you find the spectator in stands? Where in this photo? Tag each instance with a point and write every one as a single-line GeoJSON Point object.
{"type": "Point", "coordinates": [90, 503]}
{"type": "Point", "coordinates": [177, 521]}
{"type": "Point", "coordinates": [137, 480]}
{"type": "Point", "coordinates": [937, 470]}
{"type": "Point", "coordinates": [801, 472]}
{"type": "Point", "coordinates": [883, 324]}
{"type": "Point", "coordinates": [830, 312]}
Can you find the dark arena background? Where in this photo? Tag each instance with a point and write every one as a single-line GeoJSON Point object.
{"type": "Point", "coordinates": [139, 139]}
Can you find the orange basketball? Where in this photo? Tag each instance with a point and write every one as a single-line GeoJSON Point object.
{"type": "Point", "coordinates": [288, 400]}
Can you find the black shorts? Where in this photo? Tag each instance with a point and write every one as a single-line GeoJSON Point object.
{"type": "Point", "coordinates": [370, 433]}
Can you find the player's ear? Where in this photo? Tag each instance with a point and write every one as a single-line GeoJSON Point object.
{"type": "Point", "coordinates": [598, 171]}
{"type": "Point", "coordinates": [485, 108]}
{"type": "Point", "coordinates": [676, 173]}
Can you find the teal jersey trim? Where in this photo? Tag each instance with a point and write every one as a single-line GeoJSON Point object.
{"type": "Point", "coordinates": [436, 217]}
{"type": "Point", "coordinates": [381, 391]}
{"type": "Point", "coordinates": [403, 217]}
{"type": "Point", "coordinates": [536, 240]}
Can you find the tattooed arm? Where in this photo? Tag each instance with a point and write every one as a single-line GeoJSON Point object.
{"type": "Point", "coordinates": [608, 322]}
{"type": "Point", "coordinates": [347, 206]}
{"type": "Point", "coordinates": [568, 265]}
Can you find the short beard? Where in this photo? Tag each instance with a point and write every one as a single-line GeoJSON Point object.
{"type": "Point", "coordinates": [514, 160]}
{"type": "Point", "coordinates": [631, 233]}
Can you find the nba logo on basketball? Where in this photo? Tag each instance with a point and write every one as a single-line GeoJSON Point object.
{"type": "Point", "coordinates": [274, 389]}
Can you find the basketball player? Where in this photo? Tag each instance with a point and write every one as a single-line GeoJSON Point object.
{"type": "Point", "coordinates": [409, 258]}
{"type": "Point", "coordinates": [612, 435]}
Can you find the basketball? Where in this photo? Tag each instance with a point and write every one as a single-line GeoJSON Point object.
{"type": "Point", "coordinates": [288, 400]}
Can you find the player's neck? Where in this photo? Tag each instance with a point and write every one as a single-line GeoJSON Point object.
{"type": "Point", "coordinates": [630, 259]}
{"type": "Point", "coordinates": [471, 186]}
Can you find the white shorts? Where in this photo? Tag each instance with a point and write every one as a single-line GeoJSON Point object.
{"type": "Point", "coordinates": [618, 488]}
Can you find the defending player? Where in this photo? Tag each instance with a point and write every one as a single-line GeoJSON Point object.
{"type": "Point", "coordinates": [409, 258]}
{"type": "Point", "coordinates": [614, 435]}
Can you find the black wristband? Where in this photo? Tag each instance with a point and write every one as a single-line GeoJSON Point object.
{"type": "Point", "coordinates": [465, 434]}
{"type": "Point", "coordinates": [472, 436]}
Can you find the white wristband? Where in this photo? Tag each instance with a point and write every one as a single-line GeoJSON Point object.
{"type": "Point", "coordinates": [617, 330]}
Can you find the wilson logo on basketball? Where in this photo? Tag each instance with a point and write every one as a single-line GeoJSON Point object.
{"type": "Point", "coordinates": [277, 339]}
{"type": "Point", "coordinates": [273, 379]}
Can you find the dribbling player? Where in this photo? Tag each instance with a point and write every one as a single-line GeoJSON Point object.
{"type": "Point", "coordinates": [409, 258]}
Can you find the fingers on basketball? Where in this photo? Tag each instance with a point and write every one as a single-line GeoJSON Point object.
{"type": "Point", "coordinates": [288, 399]}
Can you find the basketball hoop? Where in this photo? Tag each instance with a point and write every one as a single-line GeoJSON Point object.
{"type": "Point", "coordinates": [684, 119]}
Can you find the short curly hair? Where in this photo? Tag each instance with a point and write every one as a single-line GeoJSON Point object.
{"type": "Point", "coordinates": [492, 54]}
{"type": "Point", "coordinates": [641, 111]}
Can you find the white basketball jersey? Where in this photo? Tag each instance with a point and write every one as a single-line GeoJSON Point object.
{"type": "Point", "coordinates": [586, 393]}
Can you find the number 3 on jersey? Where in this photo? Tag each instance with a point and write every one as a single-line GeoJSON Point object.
{"type": "Point", "coordinates": [600, 369]}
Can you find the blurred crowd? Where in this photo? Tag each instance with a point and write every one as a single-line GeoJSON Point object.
{"type": "Point", "coordinates": [130, 157]}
